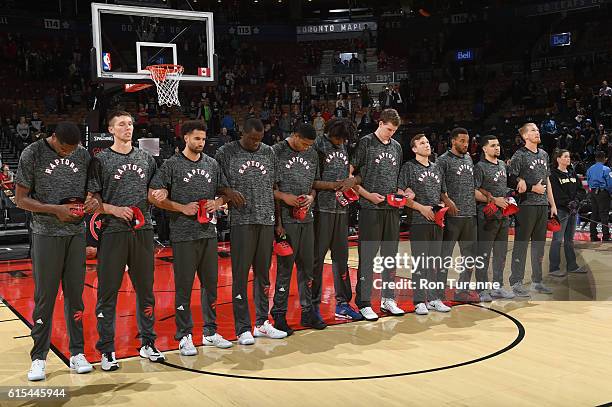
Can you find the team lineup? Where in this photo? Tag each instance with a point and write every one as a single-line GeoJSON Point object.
{"type": "Point", "coordinates": [291, 200]}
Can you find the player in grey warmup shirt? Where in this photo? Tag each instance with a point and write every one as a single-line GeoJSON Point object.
{"type": "Point", "coordinates": [188, 177]}
{"type": "Point", "coordinates": [529, 171]}
{"type": "Point", "coordinates": [377, 159]}
{"type": "Point", "coordinates": [121, 174]}
{"type": "Point", "coordinates": [424, 181]}
{"type": "Point", "coordinates": [458, 171]}
{"type": "Point", "coordinates": [298, 169]}
{"type": "Point", "coordinates": [491, 182]}
{"type": "Point", "coordinates": [50, 171]}
{"type": "Point", "coordinates": [250, 168]}
{"type": "Point", "coordinates": [331, 218]}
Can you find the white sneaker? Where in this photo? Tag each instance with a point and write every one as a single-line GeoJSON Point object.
{"type": "Point", "coordinates": [438, 305]}
{"type": "Point", "coordinates": [267, 329]}
{"type": "Point", "coordinates": [108, 362]}
{"type": "Point", "coordinates": [502, 293]}
{"type": "Point", "coordinates": [216, 340]}
{"type": "Point", "coordinates": [80, 364]}
{"type": "Point", "coordinates": [368, 314]}
{"type": "Point", "coordinates": [389, 305]}
{"type": "Point", "coordinates": [186, 346]}
{"type": "Point", "coordinates": [37, 370]}
{"type": "Point", "coordinates": [246, 338]}
{"type": "Point", "coordinates": [149, 351]}
{"type": "Point", "coordinates": [421, 309]}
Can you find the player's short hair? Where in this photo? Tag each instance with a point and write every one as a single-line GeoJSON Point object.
{"type": "Point", "coordinates": [416, 138]}
{"type": "Point", "coordinates": [458, 131]}
{"type": "Point", "coordinates": [117, 113]}
{"type": "Point", "coordinates": [191, 125]}
{"type": "Point", "coordinates": [68, 133]}
{"type": "Point", "coordinates": [600, 156]}
{"type": "Point", "coordinates": [484, 141]}
{"type": "Point", "coordinates": [305, 130]}
{"type": "Point", "coordinates": [253, 124]}
{"type": "Point", "coordinates": [390, 116]}
{"type": "Point", "coordinates": [340, 128]}
{"type": "Point", "coordinates": [523, 129]}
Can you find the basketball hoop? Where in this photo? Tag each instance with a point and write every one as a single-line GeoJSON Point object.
{"type": "Point", "coordinates": [166, 78]}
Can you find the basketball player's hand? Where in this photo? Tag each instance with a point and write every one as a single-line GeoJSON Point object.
{"type": "Point", "coordinates": [427, 212]}
{"type": "Point", "coordinates": [346, 184]}
{"type": "Point", "coordinates": [539, 188]}
{"type": "Point", "coordinates": [409, 193]}
{"type": "Point", "coordinates": [190, 209]}
{"type": "Point", "coordinates": [452, 208]}
{"type": "Point", "coordinates": [306, 200]}
{"type": "Point", "coordinates": [159, 194]}
{"type": "Point", "coordinates": [280, 230]}
{"type": "Point", "coordinates": [123, 212]}
{"type": "Point", "coordinates": [64, 213]}
{"type": "Point", "coordinates": [375, 198]}
{"type": "Point", "coordinates": [91, 204]}
{"type": "Point", "coordinates": [235, 198]}
{"type": "Point", "coordinates": [291, 200]}
{"type": "Point", "coordinates": [521, 186]}
{"type": "Point", "coordinates": [500, 202]}
{"type": "Point", "coordinates": [212, 206]}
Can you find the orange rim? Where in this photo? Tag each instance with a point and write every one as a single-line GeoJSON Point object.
{"type": "Point", "coordinates": [159, 72]}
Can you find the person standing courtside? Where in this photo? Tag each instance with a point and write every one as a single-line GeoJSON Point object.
{"type": "Point", "coordinates": [250, 168]}
{"type": "Point", "coordinates": [425, 180]}
{"type": "Point", "coordinates": [298, 169]}
{"type": "Point", "coordinates": [529, 171]}
{"type": "Point", "coordinates": [331, 217]}
{"type": "Point", "coordinates": [600, 184]}
{"type": "Point", "coordinates": [193, 179]}
{"type": "Point", "coordinates": [50, 171]}
{"type": "Point", "coordinates": [458, 174]}
{"type": "Point", "coordinates": [121, 174]}
{"type": "Point", "coordinates": [491, 182]}
{"type": "Point", "coordinates": [377, 159]}
{"type": "Point", "coordinates": [568, 192]}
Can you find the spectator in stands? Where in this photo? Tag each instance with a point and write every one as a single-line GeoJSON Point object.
{"type": "Point", "coordinates": [36, 122]}
{"type": "Point", "coordinates": [590, 135]}
{"type": "Point", "coordinates": [443, 89]}
{"type": "Point", "coordinates": [7, 178]}
{"type": "Point", "coordinates": [344, 87]}
{"type": "Point", "coordinates": [562, 95]}
{"type": "Point", "coordinates": [319, 124]}
{"type": "Point", "coordinates": [385, 98]}
{"type": "Point", "coordinates": [354, 64]}
{"type": "Point", "coordinates": [549, 132]}
{"type": "Point", "coordinates": [295, 96]}
{"type": "Point", "coordinates": [605, 147]}
{"type": "Point", "coordinates": [285, 125]}
{"type": "Point", "coordinates": [605, 96]}
{"type": "Point", "coordinates": [228, 122]}
{"type": "Point", "coordinates": [23, 130]}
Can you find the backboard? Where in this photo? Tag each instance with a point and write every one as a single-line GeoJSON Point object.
{"type": "Point", "coordinates": [127, 39]}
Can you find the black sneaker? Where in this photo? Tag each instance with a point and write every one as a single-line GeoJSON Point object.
{"type": "Point", "coordinates": [310, 320]}
{"type": "Point", "coordinates": [280, 323]}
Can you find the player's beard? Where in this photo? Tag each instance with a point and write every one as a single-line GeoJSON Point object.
{"type": "Point", "coordinates": [196, 150]}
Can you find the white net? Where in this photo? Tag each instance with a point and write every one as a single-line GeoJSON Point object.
{"type": "Point", "coordinates": [167, 78]}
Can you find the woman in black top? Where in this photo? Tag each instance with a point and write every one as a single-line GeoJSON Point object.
{"type": "Point", "coordinates": [568, 192]}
